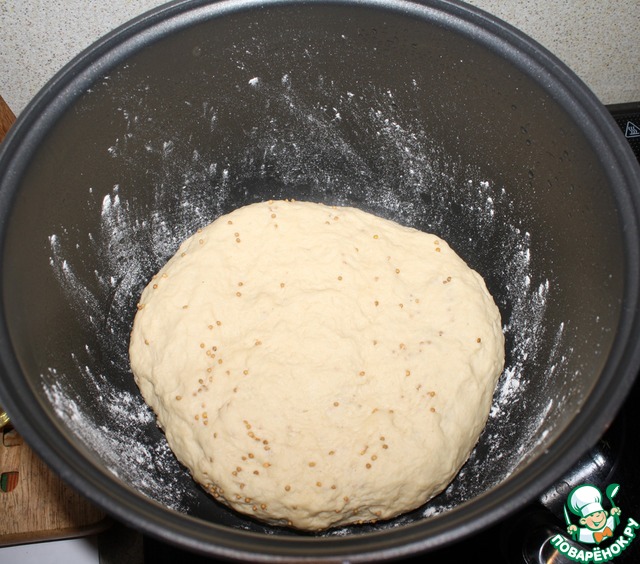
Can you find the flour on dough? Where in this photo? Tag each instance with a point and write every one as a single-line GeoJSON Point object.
{"type": "Point", "coordinates": [316, 366]}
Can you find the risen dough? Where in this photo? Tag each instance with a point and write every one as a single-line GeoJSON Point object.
{"type": "Point", "coordinates": [316, 366]}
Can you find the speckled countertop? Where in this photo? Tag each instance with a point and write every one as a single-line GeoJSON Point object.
{"type": "Point", "coordinates": [598, 39]}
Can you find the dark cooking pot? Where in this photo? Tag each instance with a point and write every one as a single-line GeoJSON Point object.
{"type": "Point", "coordinates": [436, 115]}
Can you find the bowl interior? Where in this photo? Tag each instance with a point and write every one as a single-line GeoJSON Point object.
{"type": "Point", "coordinates": [416, 114]}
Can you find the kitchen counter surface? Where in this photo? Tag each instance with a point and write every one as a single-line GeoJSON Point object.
{"type": "Point", "coordinates": [599, 40]}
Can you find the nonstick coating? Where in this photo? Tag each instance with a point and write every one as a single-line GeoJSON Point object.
{"type": "Point", "coordinates": [435, 115]}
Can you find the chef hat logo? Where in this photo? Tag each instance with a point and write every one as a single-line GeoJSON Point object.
{"type": "Point", "coordinates": [585, 500]}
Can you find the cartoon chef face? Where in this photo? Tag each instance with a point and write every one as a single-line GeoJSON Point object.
{"type": "Point", "coordinates": [595, 521]}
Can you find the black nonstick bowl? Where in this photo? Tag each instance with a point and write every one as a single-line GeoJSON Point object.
{"type": "Point", "coordinates": [434, 114]}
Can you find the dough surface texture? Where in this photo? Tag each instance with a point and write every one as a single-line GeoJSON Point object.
{"type": "Point", "coordinates": [316, 366]}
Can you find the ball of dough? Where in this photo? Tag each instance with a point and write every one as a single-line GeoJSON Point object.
{"type": "Point", "coordinates": [315, 366]}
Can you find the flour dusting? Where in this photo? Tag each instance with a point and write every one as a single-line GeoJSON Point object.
{"type": "Point", "coordinates": [303, 149]}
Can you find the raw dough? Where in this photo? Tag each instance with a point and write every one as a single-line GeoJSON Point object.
{"type": "Point", "coordinates": [316, 366]}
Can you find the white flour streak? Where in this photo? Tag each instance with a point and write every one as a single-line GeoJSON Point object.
{"type": "Point", "coordinates": [119, 443]}
{"type": "Point", "coordinates": [112, 420]}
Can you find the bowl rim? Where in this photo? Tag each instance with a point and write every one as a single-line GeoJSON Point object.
{"type": "Point", "coordinates": [471, 517]}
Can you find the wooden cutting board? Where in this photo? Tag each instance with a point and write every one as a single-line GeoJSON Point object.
{"type": "Point", "coordinates": [35, 505]}
{"type": "Point", "coordinates": [6, 118]}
